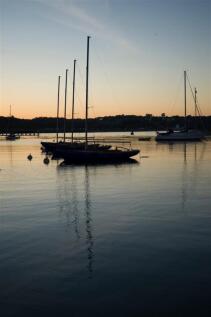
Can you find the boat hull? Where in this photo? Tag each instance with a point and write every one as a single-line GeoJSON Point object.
{"type": "Point", "coordinates": [144, 138]}
{"type": "Point", "coordinates": [96, 156]}
{"type": "Point", "coordinates": [191, 135]}
{"type": "Point", "coordinates": [12, 137]}
{"type": "Point", "coordinates": [53, 147]}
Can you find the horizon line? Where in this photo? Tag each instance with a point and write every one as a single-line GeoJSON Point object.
{"type": "Point", "coordinates": [107, 116]}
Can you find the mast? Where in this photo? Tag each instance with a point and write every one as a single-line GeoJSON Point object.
{"type": "Point", "coordinates": [73, 99]}
{"type": "Point", "coordinates": [57, 117]}
{"type": "Point", "coordinates": [195, 101]}
{"type": "Point", "coordinates": [10, 120]}
{"type": "Point", "coordinates": [65, 105]}
{"type": "Point", "coordinates": [185, 99]}
{"type": "Point", "coordinates": [87, 91]}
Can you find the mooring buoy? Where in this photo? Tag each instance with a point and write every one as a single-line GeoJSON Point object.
{"type": "Point", "coordinates": [46, 160]}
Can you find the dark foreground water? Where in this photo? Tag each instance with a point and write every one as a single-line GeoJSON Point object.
{"type": "Point", "coordinates": [115, 240]}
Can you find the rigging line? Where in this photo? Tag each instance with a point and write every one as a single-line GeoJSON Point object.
{"type": "Point", "coordinates": [190, 86]}
{"type": "Point", "coordinates": [198, 109]}
{"type": "Point", "coordinates": [192, 93]}
{"type": "Point", "coordinates": [115, 99]}
{"type": "Point", "coordinates": [92, 107]}
{"type": "Point", "coordinates": [81, 76]}
{"type": "Point", "coordinates": [177, 93]}
{"type": "Point", "coordinates": [79, 103]}
{"type": "Point", "coordinates": [83, 87]}
{"type": "Point", "coordinates": [197, 106]}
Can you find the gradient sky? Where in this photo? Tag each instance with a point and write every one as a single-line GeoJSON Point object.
{"type": "Point", "coordinates": [138, 52]}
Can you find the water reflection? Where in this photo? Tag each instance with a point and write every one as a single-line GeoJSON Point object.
{"type": "Point", "coordinates": [88, 219]}
{"type": "Point", "coordinates": [189, 156]}
{"type": "Point", "coordinates": [184, 178]}
{"type": "Point", "coordinates": [9, 148]}
{"type": "Point", "coordinates": [103, 163]}
{"type": "Point", "coordinates": [190, 172]}
{"type": "Point", "coordinates": [68, 199]}
{"type": "Point", "coordinates": [74, 196]}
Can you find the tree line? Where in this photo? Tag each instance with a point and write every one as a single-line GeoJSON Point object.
{"type": "Point", "coordinates": [108, 123]}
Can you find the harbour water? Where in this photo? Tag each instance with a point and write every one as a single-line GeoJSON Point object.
{"type": "Point", "coordinates": [107, 240]}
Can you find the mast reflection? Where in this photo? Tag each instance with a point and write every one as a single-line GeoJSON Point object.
{"type": "Point", "coordinates": [88, 222]}
{"type": "Point", "coordinates": [184, 177]}
{"type": "Point", "coordinates": [68, 199]}
{"type": "Point", "coordinates": [74, 197]}
{"type": "Point", "coordinates": [190, 171]}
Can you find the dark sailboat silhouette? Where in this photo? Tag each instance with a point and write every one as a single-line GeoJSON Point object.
{"type": "Point", "coordinates": [55, 147]}
{"type": "Point", "coordinates": [94, 154]}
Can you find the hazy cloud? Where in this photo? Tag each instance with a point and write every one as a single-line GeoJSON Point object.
{"type": "Point", "coordinates": [73, 14]}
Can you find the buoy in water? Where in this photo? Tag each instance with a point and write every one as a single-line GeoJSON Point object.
{"type": "Point", "coordinates": [46, 160]}
{"type": "Point", "coordinates": [29, 157]}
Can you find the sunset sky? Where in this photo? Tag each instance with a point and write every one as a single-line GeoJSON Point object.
{"type": "Point", "coordinates": [138, 51]}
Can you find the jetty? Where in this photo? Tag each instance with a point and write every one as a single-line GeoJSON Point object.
{"type": "Point", "coordinates": [25, 133]}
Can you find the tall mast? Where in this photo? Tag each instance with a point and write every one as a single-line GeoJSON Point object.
{"type": "Point", "coordinates": [57, 117]}
{"type": "Point", "coordinates": [65, 105]}
{"type": "Point", "coordinates": [185, 101]}
{"type": "Point", "coordinates": [87, 90]}
{"type": "Point", "coordinates": [195, 101]}
{"type": "Point", "coordinates": [10, 120]}
{"type": "Point", "coordinates": [73, 99]}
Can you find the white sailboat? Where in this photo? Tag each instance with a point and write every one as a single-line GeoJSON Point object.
{"type": "Point", "coordinates": [185, 134]}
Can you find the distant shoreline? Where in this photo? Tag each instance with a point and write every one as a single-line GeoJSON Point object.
{"type": "Point", "coordinates": [120, 123]}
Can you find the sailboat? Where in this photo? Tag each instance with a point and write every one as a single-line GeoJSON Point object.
{"type": "Point", "coordinates": [54, 147]}
{"type": "Point", "coordinates": [94, 155]}
{"type": "Point", "coordinates": [185, 134]}
{"type": "Point", "coordinates": [11, 136]}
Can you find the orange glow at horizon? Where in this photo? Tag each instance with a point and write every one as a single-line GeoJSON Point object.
{"type": "Point", "coordinates": [135, 102]}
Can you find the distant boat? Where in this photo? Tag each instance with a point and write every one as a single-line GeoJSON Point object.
{"type": "Point", "coordinates": [144, 138]}
{"type": "Point", "coordinates": [95, 155]}
{"type": "Point", "coordinates": [185, 134]}
{"type": "Point", "coordinates": [11, 136]}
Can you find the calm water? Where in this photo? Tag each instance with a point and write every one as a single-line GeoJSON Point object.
{"type": "Point", "coordinates": [115, 240]}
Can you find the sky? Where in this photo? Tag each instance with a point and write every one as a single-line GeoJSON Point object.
{"type": "Point", "coordinates": [138, 52]}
